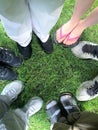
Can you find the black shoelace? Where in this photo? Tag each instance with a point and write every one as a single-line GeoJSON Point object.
{"type": "Point", "coordinates": [92, 49]}
{"type": "Point", "coordinates": [93, 90]}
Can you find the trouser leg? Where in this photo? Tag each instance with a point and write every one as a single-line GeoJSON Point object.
{"type": "Point", "coordinates": [62, 124]}
{"type": "Point", "coordinates": [79, 121]}
{"type": "Point", "coordinates": [84, 120]}
{"type": "Point", "coordinates": [45, 14]}
{"type": "Point", "coordinates": [4, 106]}
{"type": "Point", "coordinates": [15, 120]}
{"type": "Point", "coordinates": [16, 21]}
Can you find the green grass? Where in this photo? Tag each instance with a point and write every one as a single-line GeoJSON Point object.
{"type": "Point", "coordinates": [49, 75]}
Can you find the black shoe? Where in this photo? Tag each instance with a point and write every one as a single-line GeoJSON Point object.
{"type": "Point", "coordinates": [47, 46]}
{"type": "Point", "coordinates": [7, 56]}
{"type": "Point", "coordinates": [7, 74]}
{"type": "Point", "coordinates": [53, 111]}
{"type": "Point", "coordinates": [25, 51]}
{"type": "Point", "coordinates": [68, 103]}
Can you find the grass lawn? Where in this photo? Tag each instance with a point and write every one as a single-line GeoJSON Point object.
{"type": "Point", "coordinates": [49, 75]}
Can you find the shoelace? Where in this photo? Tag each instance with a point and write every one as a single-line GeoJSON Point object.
{"type": "Point", "coordinates": [93, 90]}
{"type": "Point", "coordinates": [91, 49]}
{"type": "Point", "coordinates": [4, 56]}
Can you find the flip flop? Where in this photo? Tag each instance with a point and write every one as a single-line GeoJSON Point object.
{"type": "Point", "coordinates": [61, 36]}
{"type": "Point", "coordinates": [67, 35]}
{"type": "Point", "coordinates": [78, 38]}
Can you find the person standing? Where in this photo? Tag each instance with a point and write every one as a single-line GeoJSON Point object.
{"type": "Point", "coordinates": [22, 17]}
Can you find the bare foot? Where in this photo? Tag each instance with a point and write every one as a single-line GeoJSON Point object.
{"type": "Point", "coordinates": [75, 34]}
{"type": "Point", "coordinates": [64, 31]}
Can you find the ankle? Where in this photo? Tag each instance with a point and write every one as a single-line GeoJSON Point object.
{"type": "Point", "coordinates": [83, 24]}
{"type": "Point", "coordinates": [74, 22]}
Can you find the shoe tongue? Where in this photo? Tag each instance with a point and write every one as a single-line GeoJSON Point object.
{"type": "Point", "coordinates": [93, 90]}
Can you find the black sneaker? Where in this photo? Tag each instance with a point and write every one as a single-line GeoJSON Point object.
{"type": "Point", "coordinates": [7, 56]}
{"type": "Point", "coordinates": [53, 111]}
{"type": "Point", "coordinates": [47, 46]}
{"type": "Point", "coordinates": [68, 103]}
{"type": "Point", "coordinates": [25, 51]}
{"type": "Point", "coordinates": [7, 74]}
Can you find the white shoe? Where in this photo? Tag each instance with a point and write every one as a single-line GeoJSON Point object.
{"type": "Point", "coordinates": [86, 50]}
{"type": "Point", "coordinates": [33, 106]}
{"type": "Point", "coordinates": [88, 90]}
{"type": "Point", "coordinates": [12, 90]}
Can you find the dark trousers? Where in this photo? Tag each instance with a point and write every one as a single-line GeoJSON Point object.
{"type": "Point", "coordinates": [78, 121]}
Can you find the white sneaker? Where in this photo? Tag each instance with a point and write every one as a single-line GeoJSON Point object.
{"type": "Point", "coordinates": [33, 106]}
{"type": "Point", "coordinates": [12, 90]}
{"type": "Point", "coordinates": [88, 90]}
{"type": "Point", "coordinates": [86, 50]}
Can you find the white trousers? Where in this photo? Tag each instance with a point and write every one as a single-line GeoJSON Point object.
{"type": "Point", "coordinates": [22, 17]}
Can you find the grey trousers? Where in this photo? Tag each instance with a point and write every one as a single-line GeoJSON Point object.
{"type": "Point", "coordinates": [22, 17]}
{"type": "Point", "coordinates": [11, 120]}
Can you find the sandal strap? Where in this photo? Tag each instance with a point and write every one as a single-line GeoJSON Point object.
{"type": "Point", "coordinates": [51, 111]}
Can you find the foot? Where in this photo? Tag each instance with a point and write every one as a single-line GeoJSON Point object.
{"type": "Point", "coordinates": [53, 111]}
{"type": "Point", "coordinates": [47, 46]}
{"type": "Point", "coordinates": [64, 31]}
{"type": "Point", "coordinates": [12, 90]}
{"type": "Point", "coordinates": [26, 52]}
{"type": "Point", "coordinates": [88, 90]}
{"type": "Point", "coordinates": [68, 103]}
{"type": "Point", "coordinates": [7, 74]}
{"type": "Point", "coordinates": [33, 106]}
{"type": "Point", "coordinates": [86, 50]}
{"type": "Point", "coordinates": [74, 35]}
{"type": "Point", "coordinates": [7, 56]}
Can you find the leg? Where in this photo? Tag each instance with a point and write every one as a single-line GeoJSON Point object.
{"type": "Point", "coordinates": [17, 24]}
{"type": "Point", "coordinates": [89, 21]}
{"type": "Point", "coordinates": [15, 120]}
{"type": "Point", "coordinates": [19, 118]}
{"type": "Point", "coordinates": [17, 28]}
{"type": "Point", "coordinates": [4, 106]}
{"type": "Point", "coordinates": [61, 126]}
{"type": "Point", "coordinates": [84, 120]}
{"type": "Point", "coordinates": [45, 16]}
{"type": "Point", "coordinates": [78, 12]}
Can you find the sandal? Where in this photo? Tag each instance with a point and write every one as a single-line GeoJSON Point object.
{"type": "Point", "coordinates": [68, 102]}
{"type": "Point", "coordinates": [53, 111]}
{"type": "Point", "coordinates": [68, 38]}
